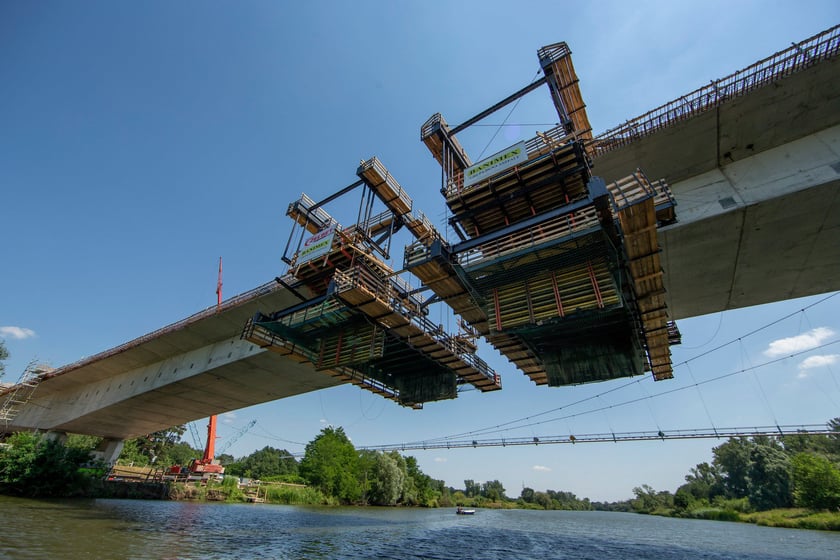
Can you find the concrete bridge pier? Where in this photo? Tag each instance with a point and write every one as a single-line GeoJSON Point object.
{"type": "Point", "coordinates": [108, 451]}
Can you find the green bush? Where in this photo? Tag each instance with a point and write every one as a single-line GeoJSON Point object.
{"type": "Point", "coordinates": [714, 514]}
{"type": "Point", "coordinates": [34, 466]}
{"type": "Point", "coordinates": [296, 495]}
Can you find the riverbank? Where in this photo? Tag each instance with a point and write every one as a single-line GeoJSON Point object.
{"type": "Point", "coordinates": [796, 518]}
{"type": "Point", "coordinates": [789, 518]}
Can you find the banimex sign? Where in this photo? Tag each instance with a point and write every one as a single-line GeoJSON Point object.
{"type": "Point", "coordinates": [317, 245]}
{"type": "Point", "coordinates": [495, 163]}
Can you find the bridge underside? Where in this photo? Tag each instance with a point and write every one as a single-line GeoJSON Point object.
{"type": "Point", "coordinates": [189, 370]}
{"type": "Point", "coordinates": [756, 186]}
{"type": "Point", "coordinates": [783, 248]}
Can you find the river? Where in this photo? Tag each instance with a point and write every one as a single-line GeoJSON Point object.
{"type": "Point", "coordinates": [128, 529]}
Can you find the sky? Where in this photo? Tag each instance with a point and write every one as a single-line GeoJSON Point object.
{"type": "Point", "coordinates": [142, 141]}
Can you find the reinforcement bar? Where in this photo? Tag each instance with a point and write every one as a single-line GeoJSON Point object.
{"type": "Point", "coordinates": [801, 55]}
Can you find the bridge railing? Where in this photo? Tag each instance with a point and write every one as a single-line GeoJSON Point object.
{"type": "Point", "coordinates": [259, 291]}
{"type": "Point", "coordinates": [799, 56]}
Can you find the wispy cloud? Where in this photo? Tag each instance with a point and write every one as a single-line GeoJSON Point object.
{"type": "Point", "coordinates": [541, 468]}
{"type": "Point", "coordinates": [18, 333]}
{"type": "Point", "coordinates": [229, 417]}
{"type": "Point", "coordinates": [812, 362]}
{"type": "Point", "coordinates": [793, 344]}
{"type": "Point", "coordinates": [440, 459]}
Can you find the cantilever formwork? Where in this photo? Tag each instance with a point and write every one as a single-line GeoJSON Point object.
{"type": "Point", "coordinates": [359, 320]}
{"type": "Point", "coordinates": [558, 271]}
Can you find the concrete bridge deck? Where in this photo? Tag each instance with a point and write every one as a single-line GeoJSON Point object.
{"type": "Point", "coordinates": [182, 372]}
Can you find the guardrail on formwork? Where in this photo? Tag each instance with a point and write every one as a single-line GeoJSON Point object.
{"type": "Point", "coordinates": [801, 55]}
{"type": "Point", "coordinates": [537, 147]}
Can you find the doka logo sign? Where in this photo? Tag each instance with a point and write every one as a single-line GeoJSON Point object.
{"type": "Point", "coordinates": [494, 164]}
{"type": "Point", "coordinates": [317, 245]}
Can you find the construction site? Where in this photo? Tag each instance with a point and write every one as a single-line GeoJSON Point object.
{"type": "Point", "coordinates": [555, 268]}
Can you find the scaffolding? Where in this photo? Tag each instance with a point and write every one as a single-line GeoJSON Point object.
{"type": "Point", "coordinates": [21, 392]}
{"type": "Point", "coordinates": [557, 270]}
{"type": "Point", "coordinates": [361, 322]}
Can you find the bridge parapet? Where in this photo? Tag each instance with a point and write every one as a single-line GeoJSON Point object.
{"type": "Point", "coordinates": [799, 56]}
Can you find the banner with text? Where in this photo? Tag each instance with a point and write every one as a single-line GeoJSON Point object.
{"type": "Point", "coordinates": [495, 163]}
{"type": "Point", "coordinates": [317, 245]}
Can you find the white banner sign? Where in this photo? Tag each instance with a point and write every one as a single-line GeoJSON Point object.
{"type": "Point", "coordinates": [317, 245]}
{"type": "Point", "coordinates": [495, 163]}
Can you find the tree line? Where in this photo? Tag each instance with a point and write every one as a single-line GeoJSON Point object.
{"type": "Point", "coordinates": [757, 474]}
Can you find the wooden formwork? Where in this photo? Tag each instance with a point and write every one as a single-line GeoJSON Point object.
{"type": "Point", "coordinates": [556, 62]}
{"type": "Point", "coordinates": [638, 223]}
{"type": "Point", "coordinates": [541, 184]}
{"type": "Point", "coordinates": [362, 290]}
{"type": "Point", "coordinates": [443, 145]}
{"type": "Point", "coordinates": [385, 186]}
{"type": "Point", "coordinates": [312, 220]}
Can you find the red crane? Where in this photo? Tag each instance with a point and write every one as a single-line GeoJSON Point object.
{"type": "Point", "coordinates": [206, 463]}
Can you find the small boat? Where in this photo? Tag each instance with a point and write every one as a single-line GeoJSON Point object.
{"type": "Point", "coordinates": [463, 511]}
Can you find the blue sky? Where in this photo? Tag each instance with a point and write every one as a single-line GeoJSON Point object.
{"type": "Point", "coordinates": [141, 141]}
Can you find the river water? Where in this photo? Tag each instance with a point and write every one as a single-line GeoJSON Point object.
{"type": "Point", "coordinates": [128, 529]}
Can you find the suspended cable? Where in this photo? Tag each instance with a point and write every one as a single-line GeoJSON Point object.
{"type": "Point", "coordinates": [267, 435]}
{"type": "Point", "coordinates": [828, 363]}
{"type": "Point", "coordinates": [700, 394]}
{"type": "Point", "coordinates": [762, 394]}
{"type": "Point", "coordinates": [512, 109]}
{"type": "Point", "coordinates": [759, 329]}
{"type": "Point", "coordinates": [518, 423]}
{"type": "Point", "coordinates": [639, 399]}
{"type": "Point", "coordinates": [526, 418]}
{"type": "Point", "coordinates": [679, 389]}
{"type": "Point", "coordinates": [717, 330]}
{"type": "Point", "coordinates": [650, 408]}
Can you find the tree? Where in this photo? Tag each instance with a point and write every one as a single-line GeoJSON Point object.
{"type": "Point", "coordinates": [493, 490]}
{"type": "Point", "coordinates": [423, 489]}
{"type": "Point", "coordinates": [769, 478]}
{"type": "Point", "coordinates": [267, 462]}
{"type": "Point", "coordinates": [331, 463]}
{"type": "Point", "coordinates": [816, 482]}
{"type": "Point", "coordinates": [147, 449]}
{"type": "Point", "coordinates": [704, 482]}
{"type": "Point", "coordinates": [386, 479]}
{"type": "Point", "coordinates": [527, 495]}
{"type": "Point", "coordinates": [34, 466]}
{"type": "Point", "coordinates": [226, 459]}
{"type": "Point", "coordinates": [649, 500]}
{"type": "Point", "coordinates": [472, 488]}
{"type": "Point", "coordinates": [132, 454]}
{"type": "Point", "coordinates": [4, 355]}
{"type": "Point", "coordinates": [180, 453]}
{"type": "Point", "coordinates": [732, 461]}
{"type": "Point", "coordinates": [828, 445]}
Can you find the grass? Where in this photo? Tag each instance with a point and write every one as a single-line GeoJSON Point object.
{"type": "Point", "coordinates": [797, 518]}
